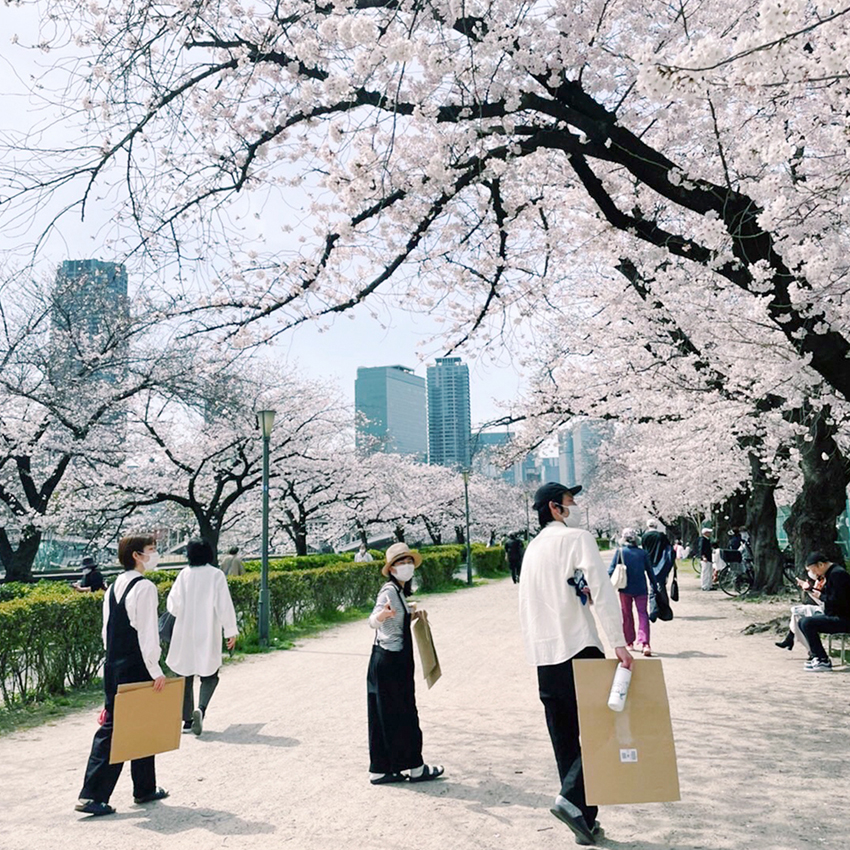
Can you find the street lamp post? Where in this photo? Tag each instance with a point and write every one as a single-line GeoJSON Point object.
{"type": "Point", "coordinates": [465, 474]}
{"type": "Point", "coordinates": [266, 421]}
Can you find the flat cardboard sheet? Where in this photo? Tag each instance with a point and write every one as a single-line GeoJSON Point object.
{"type": "Point", "coordinates": [628, 756]}
{"type": "Point", "coordinates": [146, 722]}
{"type": "Point", "coordinates": [427, 651]}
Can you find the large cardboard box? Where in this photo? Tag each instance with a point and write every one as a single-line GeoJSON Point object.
{"type": "Point", "coordinates": [628, 756]}
{"type": "Point", "coordinates": [146, 722]}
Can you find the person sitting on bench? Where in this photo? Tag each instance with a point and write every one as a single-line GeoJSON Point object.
{"type": "Point", "coordinates": [836, 610]}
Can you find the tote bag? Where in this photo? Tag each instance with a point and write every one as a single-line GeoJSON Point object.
{"type": "Point", "coordinates": [619, 578]}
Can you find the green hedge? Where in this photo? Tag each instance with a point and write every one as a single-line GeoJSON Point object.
{"type": "Point", "coordinates": [49, 639]}
{"type": "Point", "coordinates": [50, 635]}
{"type": "Point", "coordinates": [305, 562]}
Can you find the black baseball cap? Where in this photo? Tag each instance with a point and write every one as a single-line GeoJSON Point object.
{"type": "Point", "coordinates": [817, 558]}
{"type": "Point", "coordinates": [552, 492]}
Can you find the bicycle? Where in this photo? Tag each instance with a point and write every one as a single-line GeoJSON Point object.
{"type": "Point", "coordinates": [737, 579]}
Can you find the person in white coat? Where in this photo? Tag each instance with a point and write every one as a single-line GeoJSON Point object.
{"type": "Point", "coordinates": [203, 611]}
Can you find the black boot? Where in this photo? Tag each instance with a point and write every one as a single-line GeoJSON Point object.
{"type": "Point", "coordinates": [788, 643]}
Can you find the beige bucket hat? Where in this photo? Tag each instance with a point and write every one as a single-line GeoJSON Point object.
{"type": "Point", "coordinates": [400, 550]}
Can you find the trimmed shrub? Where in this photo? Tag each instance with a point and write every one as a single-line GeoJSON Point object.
{"type": "Point", "coordinates": [489, 561]}
{"type": "Point", "coordinates": [303, 562]}
{"type": "Point", "coordinates": [439, 564]}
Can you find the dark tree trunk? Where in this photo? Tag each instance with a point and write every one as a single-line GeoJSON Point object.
{"type": "Point", "coordinates": [399, 533]}
{"type": "Point", "coordinates": [761, 524]}
{"type": "Point", "coordinates": [459, 535]}
{"type": "Point", "coordinates": [731, 514]}
{"type": "Point", "coordinates": [18, 562]}
{"type": "Point", "coordinates": [210, 531]}
{"type": "Point", "coordinates": [300, 537]}
{"type": "Point", "coordinates": [811, 524]}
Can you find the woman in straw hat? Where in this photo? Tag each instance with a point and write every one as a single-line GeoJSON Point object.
{"type": "Point", "coordinates": [395, 739]}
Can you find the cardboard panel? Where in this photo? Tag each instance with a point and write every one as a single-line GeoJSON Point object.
{"type": "Point", "coordinates": [628, 756]}
{"type": "Point", "coordinates": [146, 722]}
{"type": "Point", "coordinates": [427, 651]}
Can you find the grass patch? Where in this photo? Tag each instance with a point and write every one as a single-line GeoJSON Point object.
{"type": "Point", "coordinates": [54, 708]}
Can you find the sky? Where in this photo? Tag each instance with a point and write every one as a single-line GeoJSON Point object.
{"type": "Point", "coordinates": [351, 341]}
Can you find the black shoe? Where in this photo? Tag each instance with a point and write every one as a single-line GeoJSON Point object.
{"type": "Point", "coordinates": [90, 807]}
{"type": "Point", "coordinates": [388, 779]}
{"type": "Point", "coordinates": [156, 794]}
{"type": "Point", "coordinates": [571, 815]}
{"type": "Point", "coordinates": [788, 643]}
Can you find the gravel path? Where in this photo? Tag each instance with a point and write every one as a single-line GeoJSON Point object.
{"type": "Point", "coordinates": [761, 745]}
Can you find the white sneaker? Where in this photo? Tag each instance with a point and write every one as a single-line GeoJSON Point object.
{"type": "Point", "coordinates": [197, 721]}
{"type": "Point", "coordinates": [819, 665]}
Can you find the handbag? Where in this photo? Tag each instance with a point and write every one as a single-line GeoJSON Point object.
{"type": "Point", "coordinates": [619, 578]}
{"type": "Point", "coordinates": [674, 586]}
{"type": "Point", "coordinates": [166, 626]}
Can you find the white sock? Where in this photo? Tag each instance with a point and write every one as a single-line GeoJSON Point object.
{"type": "Point", "coordinates": [417, 771]}
{"type": "Point", "coordinates": [376, 775]}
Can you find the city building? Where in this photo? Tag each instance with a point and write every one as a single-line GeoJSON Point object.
{"type": "Point", "coordinates": [485, 461]}
{"type": "Point", "coordinates": [578, 451]}
{"type": "Point", "coordinates": [449, 420]}
{"type": "Point", "coordinates": [89, 300]}
{"type": "Point", "coordinates": [390, 408]}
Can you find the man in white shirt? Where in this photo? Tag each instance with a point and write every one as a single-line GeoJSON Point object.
{"type": "Point", "coordinates": [562, 577]}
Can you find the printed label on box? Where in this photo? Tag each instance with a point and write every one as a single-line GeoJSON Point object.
{"type": "Point", "coordinates": [628, 756]}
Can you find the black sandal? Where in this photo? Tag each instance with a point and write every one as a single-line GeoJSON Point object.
{"type": "Point", "coordinates": [428, 773]}
{"type": "Point", "coordinates": [388, 778]}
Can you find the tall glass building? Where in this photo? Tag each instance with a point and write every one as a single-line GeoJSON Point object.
{"type": "Point", "coordinates": [449, 420]}
{"type": "Point", "coordinates": [390, 406]}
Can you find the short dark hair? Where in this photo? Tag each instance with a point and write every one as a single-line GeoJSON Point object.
{"type": "Point", "coordinates": [233, 550]}
{"type": "Point", "coordinates": [130, 544]}
{"type": "Point", "coordinates": [198, 552]}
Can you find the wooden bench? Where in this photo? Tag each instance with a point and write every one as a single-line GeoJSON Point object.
{"type": "Point", "coordinates": [845, 645]}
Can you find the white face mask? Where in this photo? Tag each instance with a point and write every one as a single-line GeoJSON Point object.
{"type": "Point", "coordinates": [574, 519]}
{"type": "Point", "coordinates": [152, 561]}
{"type": "Point", "coordinates": [403, 572]}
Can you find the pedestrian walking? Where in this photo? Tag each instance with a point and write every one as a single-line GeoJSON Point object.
{"type": "Point", "coordinates": [395, 739]}
{"type": "Point", "coordinates": [131, 639]}
{"type": "Point", "coordinates": [232, 564]}
{"type": "Point", "coordinates": [639, 574]}
{"type": "Point", "coordinates": [704, 551]}
{"type": "Point", "coordinates": [561, 572]}
{"type": "Point", "coordinates": [363, 556]}
{"type": "Point", "coordinates": [200, 601]}
{"type": "Point", "coordinates": [513, 553]}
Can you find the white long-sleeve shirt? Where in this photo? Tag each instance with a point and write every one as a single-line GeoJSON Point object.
{"type": "Point", "coordinates": [200, 601]}
{"type": "Point", "coordinates": [555, 625]}
{"type": "Point", "coordinates": [141, 605]}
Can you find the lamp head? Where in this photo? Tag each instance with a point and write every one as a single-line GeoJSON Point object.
{"type": "Point", "coordinates": [265, 419]}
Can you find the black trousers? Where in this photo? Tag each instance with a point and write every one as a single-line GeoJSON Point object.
{"type": "Point", "coordinates": [820, 624]}
{"type": "Point", "coordinates": [101, 776]}
{"type": "Point", "coordinates": [208, 686]}
{"type": "Point", "coordinates": [556, 685]}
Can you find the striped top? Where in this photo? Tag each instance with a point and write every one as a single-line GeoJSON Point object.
{"type": "Point", "coordinates": [391, 631]}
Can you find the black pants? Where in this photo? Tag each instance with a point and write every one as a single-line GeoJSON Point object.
{"type": "Point", "coordinates": [820, 624]}
{"type": "Point", "coordinates": [101, 776]}
{"type": "Point", "coordinates": [556, 685]}
{"type": "Point", "coordinates": [515, 566]}
{"type": "Point", "coordinates": [208, 686]}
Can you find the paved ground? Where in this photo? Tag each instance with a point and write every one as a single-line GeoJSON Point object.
{"type": "Point", "coordinates": [762, 749]}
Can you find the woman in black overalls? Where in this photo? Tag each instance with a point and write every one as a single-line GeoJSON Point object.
{"type": "Point", "coordinates": [395, 739]}
{"type": "Point", "coordinates": [125, 662]}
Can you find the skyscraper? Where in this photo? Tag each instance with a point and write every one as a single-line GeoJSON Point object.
{"type": "Point", "coordinates": [88, 322]}
{"type": "Point", "coordinates": [449, 420]}
{"type": "Point", "coordinates": [390, 406]}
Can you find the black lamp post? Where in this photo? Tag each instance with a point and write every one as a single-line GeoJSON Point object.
{"type": "Point", "coordinates": [266, 422]}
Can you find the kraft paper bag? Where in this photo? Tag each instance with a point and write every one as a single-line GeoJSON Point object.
{"type": "Point", "coordinates": [627, 756]}
{"type": "Point", "coordinates": [427, 652]}
{"type": "Point", "coordinates": [146, 722]}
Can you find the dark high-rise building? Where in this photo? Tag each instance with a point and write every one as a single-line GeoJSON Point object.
{"type": "Point", "coordinates": [390, 406]}
{"type": "Point", "coordinates": [449, 420]}
{"type": "Point", "coordinates": [89, 317]}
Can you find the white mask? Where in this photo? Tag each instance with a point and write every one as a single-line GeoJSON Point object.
{"type": "Point", "coordinates": [573, 520]}
{"type": "Point", "coordinates": [152, 561]}
{"type": "Point", "coordinates": [403, 572]}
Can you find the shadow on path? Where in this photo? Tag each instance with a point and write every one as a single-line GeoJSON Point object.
{"type": "Point", "coordinates": [175, 819]}
{"type": "Point", "coordinates": [248, 733]}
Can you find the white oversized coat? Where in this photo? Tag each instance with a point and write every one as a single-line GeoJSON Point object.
{"type": "Point", "coordinates": [201, 604]}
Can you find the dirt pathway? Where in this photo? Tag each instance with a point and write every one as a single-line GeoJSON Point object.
{"type": "Point", "coordinates": [762, 750]}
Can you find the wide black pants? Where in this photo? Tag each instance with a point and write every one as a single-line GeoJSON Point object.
{"type": "Point", "coordinates": [101, 776]}
{"type": "Point", "coordinates": [395, 739]}
{"type": "Point", "coordinates": [556, 686]}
